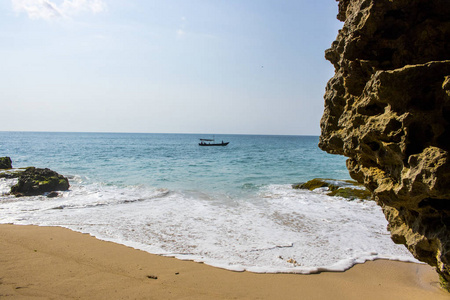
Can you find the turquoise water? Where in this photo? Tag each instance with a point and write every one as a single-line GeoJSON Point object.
{"type": "Point", "coordinates": [231, 207]}
{"type": "Point", "coordinates": [176, 161]}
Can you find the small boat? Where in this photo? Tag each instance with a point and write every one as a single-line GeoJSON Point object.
{"type": "Point", "coordinates": [210, 142]}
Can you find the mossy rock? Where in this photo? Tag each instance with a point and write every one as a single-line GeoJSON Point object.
{"type": "Point", "coordinates": [312, 184]}
{"type": "Point", "coordinates": [36, 181]}
{"type": "Point", "coordinates": [11, 173]}
{"type": "Point", "coordinates": [349, 189]}
{"type": "Point", "coordinates": [5, 163]}
{"type": "Point", "coordinates": [351, 193]}
{"type": "Point", "coordinates": [445, 284]}
{"type": "Point", "coordinates": [325, 182]}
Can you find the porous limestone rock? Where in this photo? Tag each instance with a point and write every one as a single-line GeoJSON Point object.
{"type": "Point", "coordinates": [387, 108]}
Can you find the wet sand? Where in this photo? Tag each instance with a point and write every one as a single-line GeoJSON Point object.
{"type": "Point", "coordinates": [57, 263]}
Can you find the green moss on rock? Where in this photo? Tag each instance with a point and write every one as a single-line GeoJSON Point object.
{"type": "Point", "coordinates": [5, 163]}
{"type": "Point", "coordinates": [351, 193]}
{"type": "Point", "coordinates": [35, 181]}
{"type": "Point", "coordinates": [444, 283]}
{"type": "Point", "coordinates": [312, 184]}
{"type": "Point", "coordinates": [11, 173]}
{"type": "Point", "coordinates": [340, 188]}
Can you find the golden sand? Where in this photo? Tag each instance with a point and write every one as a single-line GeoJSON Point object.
{"type": "Point", "coordinates": [56, 263]}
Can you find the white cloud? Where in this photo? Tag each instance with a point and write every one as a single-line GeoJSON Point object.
{"type": "Point", "coordinates": [180, 32]}
{"type": "Point", "coordinates": [48, 9]}
{"type": "Point", "coordinates": [84, 5]}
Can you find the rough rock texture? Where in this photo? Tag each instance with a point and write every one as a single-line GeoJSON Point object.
{"type": "Point", "coordinates": [388, 109]}
{"type": "Point", "coordinates": [341, 188]}
{"type": "Point", "coordinates": [5, 163]}
{"type": "Point", "coordinates": [35, 181]}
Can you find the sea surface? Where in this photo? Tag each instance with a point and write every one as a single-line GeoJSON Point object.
{"type": "Point", "coordinates": [232, 207]}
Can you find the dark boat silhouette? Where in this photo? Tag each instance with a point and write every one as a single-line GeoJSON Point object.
{"type": "Point", "coordinates": [210, 142]}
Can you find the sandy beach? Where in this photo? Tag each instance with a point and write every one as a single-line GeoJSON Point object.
{"type": "Point", "coordinates": [56, 263]}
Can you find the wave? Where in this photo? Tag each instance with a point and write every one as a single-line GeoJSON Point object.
{"type": "Point", "coordinates": [267, 229]}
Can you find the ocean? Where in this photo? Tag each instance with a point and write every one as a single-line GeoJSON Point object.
{"type": "Point", "coordinates": [231, 207]}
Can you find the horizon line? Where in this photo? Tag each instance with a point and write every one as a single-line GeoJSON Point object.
{"type": "Point", "coordinates": [127, 132]}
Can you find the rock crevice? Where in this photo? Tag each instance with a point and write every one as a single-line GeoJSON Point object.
{"type": "Point", "coordinates": [387, 108]}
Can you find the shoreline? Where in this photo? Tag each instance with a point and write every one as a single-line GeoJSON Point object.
{"type": "Point", "coordinates": [57, 263]}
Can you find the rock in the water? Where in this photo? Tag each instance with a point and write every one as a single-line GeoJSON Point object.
{"type": "Point", "coordinates": [52, 194]}
{"type": "Point", "coordinates": [340, 188]}
{"type": "Point", "coordinates": [35, 181]}
{"type": "Point", "coordinates": [388, 109]}
{"type": "Point", "coordinates": [5, 163]}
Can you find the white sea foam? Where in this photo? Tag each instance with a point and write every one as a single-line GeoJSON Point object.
{"type": "Point", "coordinates": [5, 185]}
{"type": "Point", "coordinates": [273, 229]}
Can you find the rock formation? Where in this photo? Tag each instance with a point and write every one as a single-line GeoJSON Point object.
{"type": "Point", "coordinates": [5, 163]}
{"type": "Point", "coordinates": [387, 108]}
{"type": "Point", "coordinates": [348, 189]}
{"type": "Point", "coordinates": [35, 181]}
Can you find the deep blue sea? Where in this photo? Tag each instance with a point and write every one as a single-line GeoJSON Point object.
{"type": "Point", "coordinates": [231, 207]}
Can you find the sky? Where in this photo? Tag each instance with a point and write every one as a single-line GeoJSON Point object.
{"type": "Point", "coordinates": [165, 66]}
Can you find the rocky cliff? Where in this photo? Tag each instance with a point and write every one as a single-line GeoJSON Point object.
{"type": "Point", "coordinates": [387, 108]}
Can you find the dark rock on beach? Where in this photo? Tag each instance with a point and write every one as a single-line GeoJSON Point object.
{"type": "Point", "coordinates": [35, 181]}
{"type": "Point", "coordinates": [348, 189]}
{"type": "Point", "coordinates": [5, 163]}
{"type": "Point", "coordinates": [52, 194]}
{"type": "Point", "coordinates": [387, 108]}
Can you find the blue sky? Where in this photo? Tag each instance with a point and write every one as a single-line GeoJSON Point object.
{"type": "Point", "coordinates": [167, 66]}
